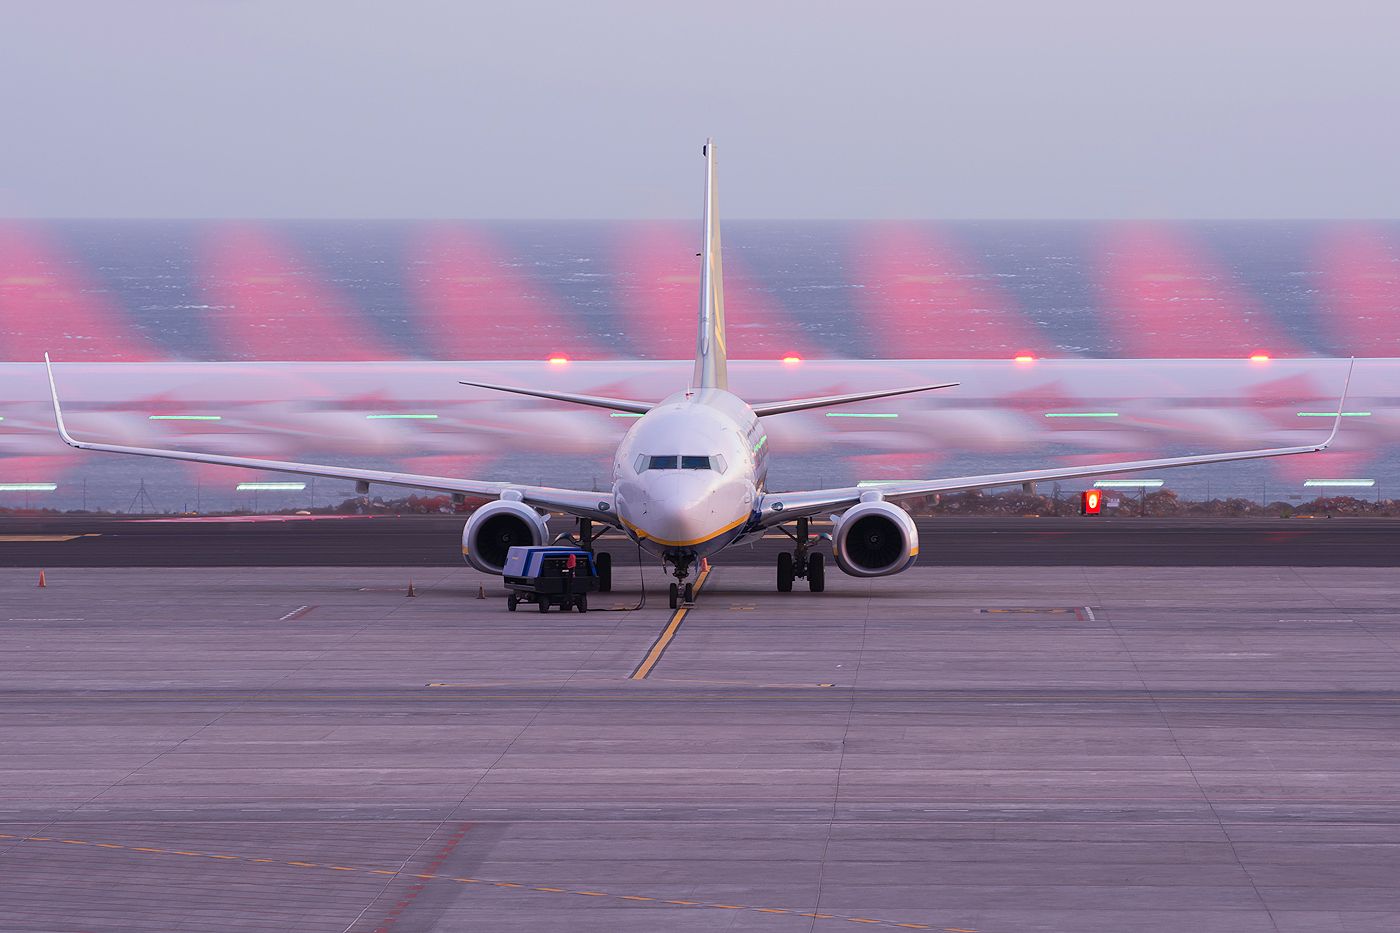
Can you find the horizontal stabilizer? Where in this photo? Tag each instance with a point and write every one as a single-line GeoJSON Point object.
{"type": "Point", "coordinates": [596, 401]}
{"type": "Point", "coordinates": [826, 401]}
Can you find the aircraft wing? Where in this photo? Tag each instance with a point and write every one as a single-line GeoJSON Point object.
{"type": "Point", "coordinates": [597, 506]}
{"type": "Point", "coordinates": [778, 507]}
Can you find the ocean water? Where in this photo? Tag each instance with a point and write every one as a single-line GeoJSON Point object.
{"type": "Point", "coordinates": [406, 290]}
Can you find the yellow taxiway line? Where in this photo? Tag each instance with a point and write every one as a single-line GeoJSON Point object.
{"type": "Point", "coordinates": [484, 882]}
{"type": "Point", "coordinates": [658, 647]}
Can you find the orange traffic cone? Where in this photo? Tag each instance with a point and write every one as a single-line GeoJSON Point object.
{"type": "Point", "coordinates": [42, 582]}
{"type": "Point", "coordinates": [705, 564]}
{"type": "Point", "coordinates": [410, 589]}
{"type": "Point", "coordinates": [481, 591]}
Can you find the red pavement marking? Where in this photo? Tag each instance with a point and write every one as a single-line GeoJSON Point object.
{"type": "Point", "coordinates": [415, 889]}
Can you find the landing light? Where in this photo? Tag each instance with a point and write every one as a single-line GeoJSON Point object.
{"type": "Point", "coordinates": [28, 487]}
{"type": "Point", "coordinates": [1259, 358]}
{"type": "Point", "coordinates": [262, 487]}
{"type": "Point", "coordinates": [792, 358]}
{"type": "Point", "coordinates": [1024, 358]}
{"type": "Point", "coordinates": [558, 360]}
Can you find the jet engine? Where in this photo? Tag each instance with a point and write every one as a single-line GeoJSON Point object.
{"type": "Point", "coordinates": [874, 539]}
{"type": "Point", "coordinates": [497, 527]}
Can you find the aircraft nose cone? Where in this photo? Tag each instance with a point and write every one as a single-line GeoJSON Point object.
{"type": "Point", "coordinates": [680, 509]}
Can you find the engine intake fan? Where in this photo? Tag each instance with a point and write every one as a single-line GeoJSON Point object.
{"type": "Point", "coordinates": [874, 539]}
{"type": "Point", "coordinates": [497, 527]}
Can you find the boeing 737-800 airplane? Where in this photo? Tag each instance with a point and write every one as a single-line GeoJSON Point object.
{"type": "Point", "coordinates": [689, 477]}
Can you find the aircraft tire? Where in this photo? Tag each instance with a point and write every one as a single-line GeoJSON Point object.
{"type": "Point", "coordinates": [816, 573]}
{"type": "Point", "coordinates": [544, 605]}
{"type": "Point", "coordinates": [675, 596]}
{"type": "Point", "coordinates": [603, 562]}
{"type": "Point", "coordinates": [690, 592]}
{"type": "Point", "coordinates": [785, 572]}
{"type": "Point", "coordinates": [511, 602]}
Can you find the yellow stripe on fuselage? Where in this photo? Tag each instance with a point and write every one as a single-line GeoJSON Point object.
{"type": "Point", "coordinates": [640, 533]}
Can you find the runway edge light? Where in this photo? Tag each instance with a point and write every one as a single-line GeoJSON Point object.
{"type": "Point", "coordinates": [1091, 502]}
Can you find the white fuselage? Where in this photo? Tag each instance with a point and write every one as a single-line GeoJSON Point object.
{"type": "Point", "coordinates": [688, 474]}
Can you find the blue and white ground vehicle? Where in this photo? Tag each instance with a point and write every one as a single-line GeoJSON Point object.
{"type": "Point", "coordinates": [560, 576]}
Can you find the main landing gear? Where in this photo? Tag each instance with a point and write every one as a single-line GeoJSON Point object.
{"type": "Point", "coordinates": [602, 560]}
{"type": "Point", "coordinates": [801, 562]}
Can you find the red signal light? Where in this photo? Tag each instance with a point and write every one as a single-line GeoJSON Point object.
{"type": "Point", "coordinates": [1091, 502]}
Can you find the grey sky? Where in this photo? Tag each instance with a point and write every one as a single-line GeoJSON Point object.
{"type": "Point", "coordinates": [412, 108]}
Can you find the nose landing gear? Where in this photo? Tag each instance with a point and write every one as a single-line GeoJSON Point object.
{"type": "Point", "coordinates": [681, 590]}
{"type": "Point", "coordinates": [681, 594]}
{"type": "Point", "coordinates": [801, 563]}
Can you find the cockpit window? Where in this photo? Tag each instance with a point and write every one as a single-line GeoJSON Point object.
{"type": "Point", "coordinates": [681, 462]}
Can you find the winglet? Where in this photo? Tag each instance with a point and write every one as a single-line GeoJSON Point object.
{"type": "Point", "coordinates": [57, 409]}
{"type": "Point", "coordinates": [1341, 406]}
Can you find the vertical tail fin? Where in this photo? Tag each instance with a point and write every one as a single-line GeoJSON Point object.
{"type": "Point", "coordinates": [711, 358]}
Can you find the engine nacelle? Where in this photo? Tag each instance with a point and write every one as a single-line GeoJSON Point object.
{"type": "Point", "coordinates": [497, 527]}
{"type": "Point", "coordinates": [874, 539]}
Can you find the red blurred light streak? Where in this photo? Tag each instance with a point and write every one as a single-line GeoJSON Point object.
{"type": "Point", "coordinates": [47, 304]}
{"type": "Point", "coordinates": [273, 306]}
{"type": "Point", "coordinates": [474, 305]}
{"type": "Point", "coordinates": [924, 299]}
{"type": "Point", "coordinates": [1164, 297]}
{"type": "Point", "coordinates": [1359, 267]}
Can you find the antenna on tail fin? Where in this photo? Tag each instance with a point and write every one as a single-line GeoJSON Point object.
{"type": "Point", "coordinates": [711, 356]}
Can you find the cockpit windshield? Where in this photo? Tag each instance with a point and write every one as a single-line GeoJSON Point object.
{"type": "Point", "coordinates": [679, 462]}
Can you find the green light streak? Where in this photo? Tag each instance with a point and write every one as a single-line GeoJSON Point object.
{"type": "Point", "coordinates": [1340, 482]}
{"type": "Point", "coordinates": [184, 418]}
{"type": "Point", "coordinates": [1333, 414]}
{"type": "Point", "coordinates": [624, 414]}
{"type": "Point", "coordinates": [1128, 483]}
{"type": "Point", "coordinates": [402, 417]}
{"type": "Point", "coordinates": [860, 414]}
{"type": "Point", "coordinates": [1081, 414]}
{"type": "Point", "coordinates": [28, 487]}
{"type": "Point", "coordinates": [255, 487]}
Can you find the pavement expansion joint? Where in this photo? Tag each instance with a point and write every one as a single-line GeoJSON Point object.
{"type": "Point", "coordinates": [513, 885]}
